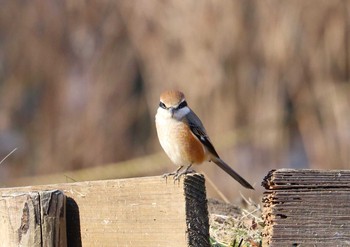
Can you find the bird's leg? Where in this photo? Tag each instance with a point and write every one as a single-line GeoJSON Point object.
{"type": "Point", "coordinates": [174, 173]}
{"type": "Point", "coordinates": [184, 172]}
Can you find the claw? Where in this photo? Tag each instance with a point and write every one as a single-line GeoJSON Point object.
{"type": "Point", "coordinates": [174, 173]}
{"type": "Point", "coordinates": [178, 176]}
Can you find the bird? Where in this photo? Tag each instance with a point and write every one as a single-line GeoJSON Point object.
{"type": "Point", "coordinates": [184, 139]}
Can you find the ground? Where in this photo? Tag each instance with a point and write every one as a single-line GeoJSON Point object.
{"type": "Point", "coordinates": [233, 226]}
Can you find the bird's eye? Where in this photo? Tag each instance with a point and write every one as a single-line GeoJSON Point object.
{"type": "Point", "coordinates": [182, 104]}
{"type": "Point", "coordinates": [162, 105]}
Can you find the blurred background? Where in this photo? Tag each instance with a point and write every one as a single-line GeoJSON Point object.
{"type": "Point", "coordinates": [80, 84]}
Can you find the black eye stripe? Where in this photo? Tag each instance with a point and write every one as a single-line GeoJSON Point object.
{"type": "Point", "coordinates": [182, 104]}
{"type": "Point", "coordinates": [162, 105]}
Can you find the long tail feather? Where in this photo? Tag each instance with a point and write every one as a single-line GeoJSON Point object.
{"type": "Point", "coordinates": [231, 172]}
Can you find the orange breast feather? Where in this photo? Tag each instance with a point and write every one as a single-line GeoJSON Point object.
{"type": "Point", "coordinates": [191, 147]}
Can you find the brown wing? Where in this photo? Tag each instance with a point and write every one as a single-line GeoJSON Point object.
{"type": "Point", "coordinates": [199, 131]}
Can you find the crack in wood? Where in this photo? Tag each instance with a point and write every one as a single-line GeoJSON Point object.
{"type": "Point", "coordinates": [23, 229]}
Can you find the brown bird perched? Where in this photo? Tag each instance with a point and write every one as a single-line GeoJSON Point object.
{"type": "Point", "coordinates": [184, 138]}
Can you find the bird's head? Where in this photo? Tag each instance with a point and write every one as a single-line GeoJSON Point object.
{"type": "Point", "coordinates": [174, 103]}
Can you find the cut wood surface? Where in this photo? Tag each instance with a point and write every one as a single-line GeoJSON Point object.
{"type": "Point", "coordinates": [148, 211]}
{"type": "Point", "coordinates": [35, 218]}
{"type": "Point", "coordinates": [307, 208]}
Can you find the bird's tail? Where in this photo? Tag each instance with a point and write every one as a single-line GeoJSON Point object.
{"type": "Point", "coordinates": [231, 172]}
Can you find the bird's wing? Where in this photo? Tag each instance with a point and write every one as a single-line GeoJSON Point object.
{"type": "Point", "coordinates": [199, 131]}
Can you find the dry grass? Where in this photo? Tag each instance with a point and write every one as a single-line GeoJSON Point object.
{"type": "Point", "coordinates": [234, 227]}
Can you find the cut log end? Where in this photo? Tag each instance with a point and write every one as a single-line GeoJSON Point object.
{"type": "Point", "coordinates": [196, 210]}
{"type": "Point", "coordinates": [306, 207]}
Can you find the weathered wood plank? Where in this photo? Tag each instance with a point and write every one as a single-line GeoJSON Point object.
{"type": "Point", "coordinates": [32, 218]}
{"type": "Point", "coordinates": [307, 208]}
{"type": "Point", "coordinates": [149, 211]}
{"type": "Point", "coordinates": [53, 218]}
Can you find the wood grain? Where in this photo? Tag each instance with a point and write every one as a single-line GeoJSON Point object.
{"type": "Point", "coordinates": [307, 208]}
{"type": "Point", "coordinates": [148, 211]}
{"type": "Point", "coordinates": [32, 218]}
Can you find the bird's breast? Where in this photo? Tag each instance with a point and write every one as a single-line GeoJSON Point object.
{"type": "Point", "coordinates": [178, 142]}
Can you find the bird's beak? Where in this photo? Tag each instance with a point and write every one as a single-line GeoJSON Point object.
{"type": "Point", "coordinates": [172, 110]}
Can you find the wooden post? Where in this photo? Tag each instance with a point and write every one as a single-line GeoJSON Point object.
{"type": "Point", "coordinates": [307, 208]}
{"type": "Point", "coordinates": [32, 218]}
{"type": "Point", "coordinates": [148, 211]}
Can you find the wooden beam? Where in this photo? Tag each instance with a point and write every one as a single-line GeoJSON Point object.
{"type": "Point", "coordinates": [150, 164]}
{"type": "Point", "coordinates": [307, 208]}
{"type": "Point", "coordinates": [148, 211]}
{"type": "Point", "coordinates": [35, 218]}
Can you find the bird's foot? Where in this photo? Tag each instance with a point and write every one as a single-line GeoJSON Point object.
{"type": "Point", "coordinates": [168, 174]}
{"type": "Point", "coordinates": [174, 173]}
{"type": "Point", "coordinates": [178, 173]}
{"type": "Point", "coordinates": [178, 176]}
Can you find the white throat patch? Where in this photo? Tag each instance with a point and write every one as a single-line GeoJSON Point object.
{"type": "Point", "coordinates": [180, 113]}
